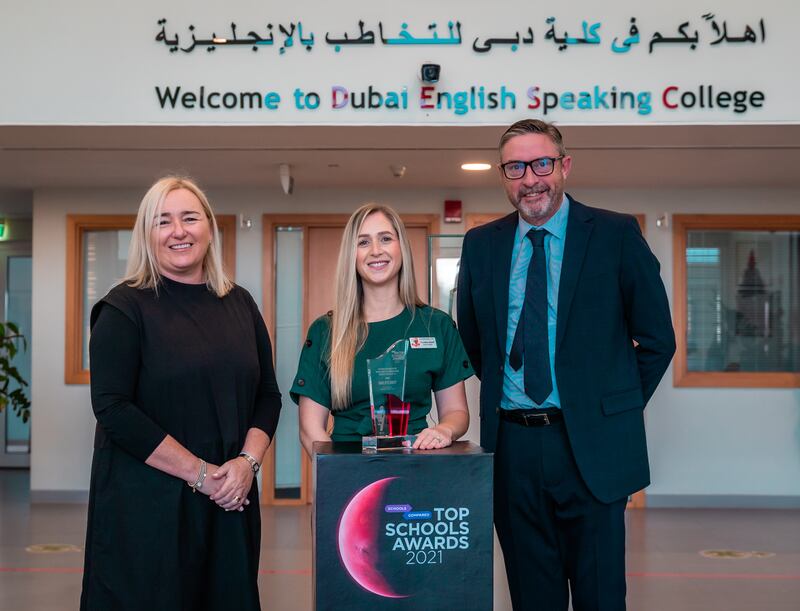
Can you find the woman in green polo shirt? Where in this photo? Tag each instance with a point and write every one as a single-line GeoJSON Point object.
{"type": "Point", "coordinates": [376, 305]}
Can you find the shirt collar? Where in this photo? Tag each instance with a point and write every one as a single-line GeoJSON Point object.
{"type": "Point", "coordinates": [556, 225]}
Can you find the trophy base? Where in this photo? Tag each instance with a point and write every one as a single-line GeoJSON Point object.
{"type": "Point", "coordinates": [376, 443]}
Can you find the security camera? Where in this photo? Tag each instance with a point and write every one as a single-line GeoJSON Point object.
{"type": "Point", "coordinates": [430, 73]}
{"type": "Point", "coordinates": [397, 170]}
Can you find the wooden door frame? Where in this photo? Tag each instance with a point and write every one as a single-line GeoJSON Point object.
{"type": "Point", "coordinates": [305, 221]}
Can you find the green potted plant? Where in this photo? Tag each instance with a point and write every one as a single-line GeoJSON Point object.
{"type": "Point", "coordinates": [9, 337]}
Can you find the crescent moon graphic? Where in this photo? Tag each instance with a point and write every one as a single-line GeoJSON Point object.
{"type": "Point", "coordinates": [359, 532]}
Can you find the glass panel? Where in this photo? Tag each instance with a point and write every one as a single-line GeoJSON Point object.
{"type": "Point", "coordinates": [444, 254]}
{"type": "Point", "coordinates": [105, 255]}
{"type": "Point", "coordinates": [288, 343]}
{"type": "Point", "coordinates": [18, 310]}
{"type": "Point", "coordinates": [743, 291]}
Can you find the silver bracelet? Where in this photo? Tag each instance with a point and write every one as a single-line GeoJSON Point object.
{"type": "Point", "coordinates": [201, 477]}
{"type": "Point", "coordinates": [253, 462]}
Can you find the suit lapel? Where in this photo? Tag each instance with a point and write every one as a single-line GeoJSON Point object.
{"type": "Point", "coordinates": [579, 228]}
{"type": "Point", "coordinates": [500, 257]}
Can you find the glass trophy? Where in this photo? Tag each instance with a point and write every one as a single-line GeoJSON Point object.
{"type": "Point", "coordinates": [390, 413]}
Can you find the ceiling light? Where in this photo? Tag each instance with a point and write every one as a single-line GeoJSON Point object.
{"type": "Point", "coordinates": [476, 167]}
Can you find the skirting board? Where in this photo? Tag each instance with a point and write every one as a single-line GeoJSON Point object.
{"type": "Point", "coordinates": [59, 496]}
{"type": "Point", "coordinates": [654, 501]}
{"type": "Point", "coordinates": [722, 501]}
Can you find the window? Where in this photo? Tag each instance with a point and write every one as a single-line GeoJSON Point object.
{"type": "Point", "coordinates": [737, 300]}
{"type": "Point", "coordinates": [97, 253]}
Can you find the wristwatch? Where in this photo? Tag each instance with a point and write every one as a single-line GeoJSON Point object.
{"type": "Point", "coordinates": [253, 462]}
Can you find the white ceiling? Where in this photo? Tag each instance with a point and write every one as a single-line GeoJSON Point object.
{"type": "Point", "coordinates": [324, 156]}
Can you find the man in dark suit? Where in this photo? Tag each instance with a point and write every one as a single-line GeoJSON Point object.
{"type": "Point", "coordinates": [566, 320]}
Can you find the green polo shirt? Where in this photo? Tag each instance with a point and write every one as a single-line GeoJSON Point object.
{"type": "Point", "coordinates": [433, 366]}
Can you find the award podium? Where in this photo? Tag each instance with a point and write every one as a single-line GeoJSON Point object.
{"type": "Point", "coordinates": [405, 529]}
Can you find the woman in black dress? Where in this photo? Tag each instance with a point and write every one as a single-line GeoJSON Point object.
{"type": "Point", "coordinates": [184, 391]}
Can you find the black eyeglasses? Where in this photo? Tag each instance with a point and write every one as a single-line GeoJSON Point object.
{"type": "Point", "coordinates": [543, 166]}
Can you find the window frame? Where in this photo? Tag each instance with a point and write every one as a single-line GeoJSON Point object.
{"type": "Point", "coordinates": [77, 226]}
{"type": "Point", "coordinates": [682, 224]}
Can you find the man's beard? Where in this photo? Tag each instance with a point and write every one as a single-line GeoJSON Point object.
{"type": "Point", "coordinates": [542, 209]}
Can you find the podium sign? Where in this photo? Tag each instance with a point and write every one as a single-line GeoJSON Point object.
{"type": "Point", "coordinates": [405, 530]}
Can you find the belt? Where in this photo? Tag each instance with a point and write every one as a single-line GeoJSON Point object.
{"type": "Point", "coordinates": [531, 417]}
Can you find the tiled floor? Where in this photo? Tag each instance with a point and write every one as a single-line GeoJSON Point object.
{"type": "Point", "coordinates": [666, 571]}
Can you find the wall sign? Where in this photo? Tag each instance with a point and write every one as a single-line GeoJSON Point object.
{"type": "Point", "coordinates": [412, 63]}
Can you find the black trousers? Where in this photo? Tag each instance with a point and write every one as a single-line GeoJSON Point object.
{"type": "Point", "coordinates": [556, 537]}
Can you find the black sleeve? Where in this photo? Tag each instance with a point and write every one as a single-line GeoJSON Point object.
{"type": "Point", "coordinates": [268, 396]}
{"type": "Point", "coordinates": [114, 367]}
{"type": "Point", "coordinates": [646, 308]}
{"type": "Point", "coordinates": [466, 320]}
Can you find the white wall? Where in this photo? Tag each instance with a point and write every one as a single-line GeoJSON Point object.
{"type": "Point", "coordinates": [729, 442]}
{"type": "Point", "coordinates": [16, 203]}
{"type": "Point", "coordinates": [109, 61]}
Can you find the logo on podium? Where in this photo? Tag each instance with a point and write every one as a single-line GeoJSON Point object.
{"type": "Point", "coordinates": [384, 540]}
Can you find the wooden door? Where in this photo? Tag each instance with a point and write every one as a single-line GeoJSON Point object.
{"type": "Point", "coordinates": [323, 248]}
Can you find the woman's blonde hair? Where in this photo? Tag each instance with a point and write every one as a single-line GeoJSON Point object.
{"type": "Point", "coordinates": [142, 271]}
{"type": "Point", "coordinates": [348, 327]}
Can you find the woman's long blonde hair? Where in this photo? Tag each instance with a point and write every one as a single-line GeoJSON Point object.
{"type": "Point", "coordinates": [348, 327]}
{"type": "Point", "coordinates": [142, 271]}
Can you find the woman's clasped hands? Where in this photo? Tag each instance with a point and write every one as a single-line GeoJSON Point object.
{"type": "Point", "coordinates": [229, 484]}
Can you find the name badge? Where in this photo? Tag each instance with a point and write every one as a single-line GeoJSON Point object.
{"type": "Point", "coordinates": [422, 342]}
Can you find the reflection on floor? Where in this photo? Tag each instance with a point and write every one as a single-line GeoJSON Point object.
{"type": "Point", "coordinates": [666, 571]}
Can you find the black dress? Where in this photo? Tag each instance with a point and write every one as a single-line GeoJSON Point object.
{"type": "Point", "coordinates": [187, 363]}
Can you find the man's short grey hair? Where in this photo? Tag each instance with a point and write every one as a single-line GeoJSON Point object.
{"type": "Point", "coordinates": [534, 126]}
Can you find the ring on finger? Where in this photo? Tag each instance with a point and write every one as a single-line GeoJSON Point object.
{"type": "Point", "coordinates": [237, 498]}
